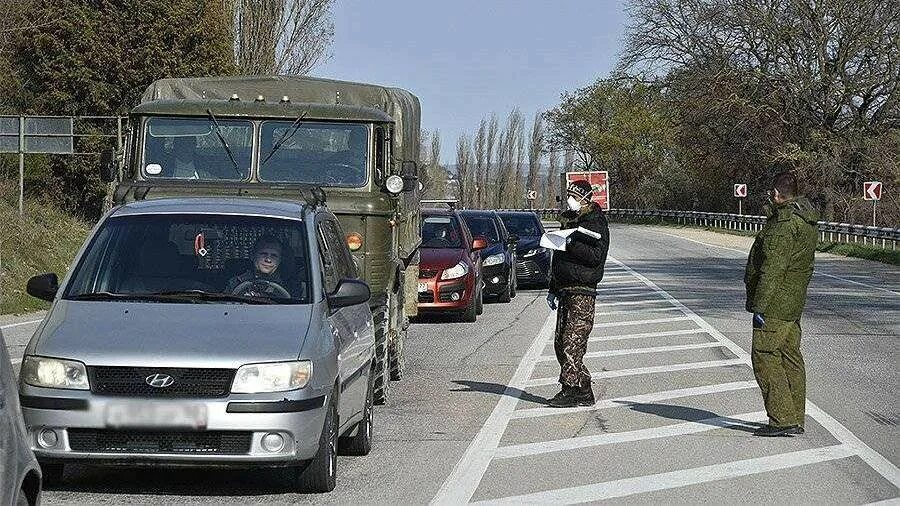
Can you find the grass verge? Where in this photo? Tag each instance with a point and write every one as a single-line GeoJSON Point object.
{"type": "Point", "coordinates": [45, 239]}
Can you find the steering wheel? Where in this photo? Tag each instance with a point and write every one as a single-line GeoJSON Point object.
{"type": "Point", "coordinates": [261, 288]}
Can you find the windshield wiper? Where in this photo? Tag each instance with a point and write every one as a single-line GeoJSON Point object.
{"type": "Point", "coordinates": [286, 136]}
{"type": "Point", "coordinates": [106, 296]}
{"type": "Point", "coordinates": [214, 297]}
{"type": "Point", "coordinates": [215, 122]}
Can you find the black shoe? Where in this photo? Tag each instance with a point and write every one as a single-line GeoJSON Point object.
{"type": "Point", "coordinates": [567, 398]}
{"type": "Point", "coordinates": [773, 431]}
{"type": "Point", "coordinates": [586, 397]}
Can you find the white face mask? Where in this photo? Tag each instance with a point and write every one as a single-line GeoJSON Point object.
{"type": "Point", "coordinates": [573, 204]}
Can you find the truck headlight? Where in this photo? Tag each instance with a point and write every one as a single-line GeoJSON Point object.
{"type": "Point", "coordinates": [272, 377]}
{"type": "Point", "coordinates": [533, 252]}
{"type": "Point", "coordinates": [457, 271]}
{"type": "Point", "coordinates": [54, 373]}
{"type": "Point", "coordinates": [394, 184]}
{"type": "Point", "coordinates": [493, 260]}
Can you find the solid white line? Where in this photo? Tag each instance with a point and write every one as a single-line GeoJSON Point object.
{"type": "Point", "coordinates": [462, 482]}
{"type": "Point", "coordinates": [622, 402]}
{"type": "Point", "coordinates": [676, 479]}
{"type": "Point", "coordinates": [815, 272]}
{"type": "Point", "coordinates": [15, 361]}
{"type": "Point", "coordinates": [29, 322]}
{"type": "Point", "coordinates": [626, 282]}
{"type": "Point", "coordinates": [631, 302]}
{"type": "Point", "coordinates": [642, 288]}
{"type": "Point", "coordinates": [639, 351]}
{"type": "Point", "coordinates": [880, 464]}
{"type": "Point", "coordinates": [642, 335]}
{"type": "Point", "coordinates": [643, 293]}
{"type": "Point", "coordinates": [678, 429]}
{"type": "Point", "coordinates": [646, 370]}
{"type": "Point", "coordinates": [634, 311]}
{"type": "Point", "coordinates": [643, 322]}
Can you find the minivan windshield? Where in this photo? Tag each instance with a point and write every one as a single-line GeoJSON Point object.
{"type": "Point", "coordinates": [441, 232]}
{"type": "Point", "coordinates": [523, 225]}
{"type": "Point", "coordinates": [195, 258]}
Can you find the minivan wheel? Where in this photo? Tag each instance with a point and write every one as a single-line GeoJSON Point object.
{"type": "Point", "coordinates": [52, 473]}
{"type": "Point", "coordinates": [319, 475]}
{"type": "Point", "coordinates": [361, 443]}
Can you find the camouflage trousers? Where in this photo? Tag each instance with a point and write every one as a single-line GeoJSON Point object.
{"type": "Point", "coordinates": [574, 322]}
{"type": "Point", "coordinates": [780, 371]}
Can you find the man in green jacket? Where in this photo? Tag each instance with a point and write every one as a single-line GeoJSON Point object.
{"type": "Point", "coordinates": [777, 276]}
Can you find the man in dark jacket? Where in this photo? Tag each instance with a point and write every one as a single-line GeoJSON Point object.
{"type": "Point", "coordinates": [778, 272]}
{"type": "Point", "coordinates": [574, 274]}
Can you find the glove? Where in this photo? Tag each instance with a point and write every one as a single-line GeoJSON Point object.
{"type": "Point", "coordinates": [551, 301]}
{"type": "Point", "coordinates": [758, 321]}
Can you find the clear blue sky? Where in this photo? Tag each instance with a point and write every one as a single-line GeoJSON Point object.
{"type": "Point", "coordinates": [467, 58]}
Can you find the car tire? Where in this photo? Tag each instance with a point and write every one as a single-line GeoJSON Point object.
{"type": "Point", "coordinates": [479, 308]}
{"type": "Point", "coordinates": [505, 295]}
{"type": "Point", "coordinates": [515, 284]}
{"type": "Point", "coordinates": [361, 443]}
{"type": "Point", "coordinates": [319, 475]}
{"type": "Point", "coordinates": [52, 474]}
{"type": "Point", "coordinates": [382, 355]}
{"type": "Point", "coordinates": [470, 314]}
{"type": "Point", "coordinates": [396, 358]}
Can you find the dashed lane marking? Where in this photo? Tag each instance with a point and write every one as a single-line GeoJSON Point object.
{"type": "Point", "coordinates": [640, 351]}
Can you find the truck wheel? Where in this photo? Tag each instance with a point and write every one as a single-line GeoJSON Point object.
{"type": "Point", "coordinates": [320, 474]}
{"type": "Point", "coordinates": [396, 358]}
{"type": "Point", "coordinates": [382, 372]}
{"type": "Point", "coordinates": [361, 443]}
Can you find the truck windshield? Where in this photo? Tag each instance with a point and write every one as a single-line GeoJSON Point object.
{"type": "Point", "coordinates": [195, 258]}
{"type": "Point", "coordinates": [328, 154]}
{"type": "Point", "coordinates": [190, 148]}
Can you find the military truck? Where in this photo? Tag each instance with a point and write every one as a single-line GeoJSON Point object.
{"type": "Point", "coordinates": [286, 137]}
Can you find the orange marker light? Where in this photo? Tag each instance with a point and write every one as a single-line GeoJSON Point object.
{"type": "Point", "coordinates": [354, 241]}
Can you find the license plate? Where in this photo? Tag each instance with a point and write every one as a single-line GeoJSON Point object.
{"type": "Point", "coordinates": [423, 287]}
{"type": "Point", "coordinates": [156, 414]}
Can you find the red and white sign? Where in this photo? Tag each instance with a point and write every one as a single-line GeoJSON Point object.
{"type": "Point", "coordinates": [599, 182]}
{"type": "Point", "coordinates": [872, 190]}
{"type": "Point", "coordinates": [740, 191]}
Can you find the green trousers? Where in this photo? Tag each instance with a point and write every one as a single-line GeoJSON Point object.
{"type": "Point", "coordinates": [779, 370]}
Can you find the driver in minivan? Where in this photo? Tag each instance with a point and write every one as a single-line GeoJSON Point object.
{"type": "Point", "coordinates": [264, 279]}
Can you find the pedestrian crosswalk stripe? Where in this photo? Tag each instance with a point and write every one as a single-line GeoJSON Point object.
{"type": "Point", "coordinates": [642, 335]}
{"type": "Point", "coordinates": [682, 478]}
{"type": "Point", "coordinates": [621, 402]}
{"type": "Point", "coordinates": [643, 322]}
{"type": "Point", "coordinates": [749, 421]}
{"type": "Point", "coordinates": [646, 370]}
{"type": "Point", "coordinates": [623, 282]}
{"type": "Point", "coordinates": [633, 302]}
{"type": "Point", "coordinates": [639, 351]}
{"type": "Point", "coordinates": [635, 311]}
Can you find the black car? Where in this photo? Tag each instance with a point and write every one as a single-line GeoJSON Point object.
{"type": "Point", "coordinates": [532, 261]}
{"type": "Point", "coordinates": [499, 258]}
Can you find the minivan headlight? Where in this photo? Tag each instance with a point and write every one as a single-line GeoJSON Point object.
{"type": "Point", "coordinates": [54, 373]}
{"type": "Point", "coordinates": [457, 271]}
{"type": "Point", "coordinates": [272, 377]}
{"type": "Point", "coordinates": [493, 260]}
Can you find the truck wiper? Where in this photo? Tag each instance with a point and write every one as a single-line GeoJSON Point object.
{"type": "Point", "coordinates": [214, 296]}
{"type": "Point", "coordinates": [215, 122]}
{"type": "Point", "coordinates": [286, 136]}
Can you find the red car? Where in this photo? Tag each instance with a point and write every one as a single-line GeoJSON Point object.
{"type": "Point", "coordinates": [449, 266]}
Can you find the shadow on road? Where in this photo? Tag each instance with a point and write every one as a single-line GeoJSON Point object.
{"type": "Point", "coordinates": [497, 389]}
{"type": "Point", "coordinates": [692, 415]}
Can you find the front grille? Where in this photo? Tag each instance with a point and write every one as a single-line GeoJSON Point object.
{"type": "Point", "coordinates": [427, 273]}
{"type": "Point", "coordinates": [426, 297]}
{"type": "Point", "coordinates": [199, 442]}
{"type": "Point", "coordinates": [132, 381]}
{"type": "Point", "coordinates": [527, 269]}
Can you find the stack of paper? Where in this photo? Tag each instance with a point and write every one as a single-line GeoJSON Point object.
{"type": "Point", "coordinates": [557, 240]}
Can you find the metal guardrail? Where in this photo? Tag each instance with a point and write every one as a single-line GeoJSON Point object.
{"type": "Point", "coordinates": [884, 237]}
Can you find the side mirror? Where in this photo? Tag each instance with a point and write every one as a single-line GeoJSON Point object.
{"type": "Point", "coordinates": [349, 292]}
{"type": "Point", "coordinates": [43, 286]}
{"type": "Point", "coordinates": [479, 243]}
{"type": "Point", "coordinates": [409, 171]}
{"type": "Point", "coordinates": [108, 167]}
{"type": "Point", "coordinates": [512, 238]}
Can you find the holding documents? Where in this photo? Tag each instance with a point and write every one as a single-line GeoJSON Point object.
{"type": "Point", "coordinates": [557, 240]}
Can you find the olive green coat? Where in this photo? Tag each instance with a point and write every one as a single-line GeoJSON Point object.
{"type": "Point", "coordinates": [781, 261]}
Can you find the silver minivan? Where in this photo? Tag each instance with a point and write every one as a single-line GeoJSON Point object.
{"type": "Point", "coordinates": [207, 331]}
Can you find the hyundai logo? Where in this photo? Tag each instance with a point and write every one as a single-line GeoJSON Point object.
{"type": "Point", "coordinates": [159, 380]}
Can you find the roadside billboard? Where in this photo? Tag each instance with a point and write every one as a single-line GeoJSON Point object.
{"type": "Point", "coordinates": [599, 180]}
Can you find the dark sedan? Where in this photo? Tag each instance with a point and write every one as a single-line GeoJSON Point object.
{"type": "Point", "coordinates": [499, 258]}
{"type": "Point", "coordinates": [533, 261]}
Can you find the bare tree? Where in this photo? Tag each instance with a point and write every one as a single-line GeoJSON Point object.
{"type": "Point", "coordinates": [464, 171]}
{"type": "Point", "coordinates": [281, 36]}
{"type": "Point", "coordinates": [518, 195]}
{"type": "Point", "coordinates": [507, 156]}
{"type": "Point", "coordinates": [491, 143]}
{"type": "Point", "coordinates": [480, 167]}
{"type": "Point", "coordinates": [551, 191]}
{"type": "Point", "coordinates": [535, 149]}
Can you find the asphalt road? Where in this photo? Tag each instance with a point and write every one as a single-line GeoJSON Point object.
{"type": "Point", "coordinates": [673, 424]}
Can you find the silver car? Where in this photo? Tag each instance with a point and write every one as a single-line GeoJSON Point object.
{"type": "Point", "coordinates": [20, 476]}
{"type": "Point", "coordinates": [209, 331]}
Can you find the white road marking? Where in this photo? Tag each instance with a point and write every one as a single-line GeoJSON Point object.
{"type": "Point", "coordinates": [642, 293]}
{"type": "Point", "coordinates": [633, 311]}
{"type": "Point", "coordinates": [616, 290]}
{"type": "Point", "coordinates": [642, 335]}
{"type": "Point", "coordinates": [631, 302]}
{"type": "Point", "coordinates": [682, 478]}
{"type": "Point", "coordinates": [624, 282]}
{"type": "Point", "coordinates": [622, 402]}
{"type": "Point", "coordinates": [817, 272]}
{"type": "Point", "coordinates": [679, 429]}
{"type": "Point", "coordinates": [643, 322]}
{"type": "Point", "coordinates": [639, 371]}
{"type": "Point", "coordinates": [15, 361]}
{"type": "Point", "coordinates": [640, 351]}
{"type": "Point", "coordinates": [29, 322]}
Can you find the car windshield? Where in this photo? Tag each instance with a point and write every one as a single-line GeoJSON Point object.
{"type": "Point", "coordinates": [195, 258]}
{"type": "Point", "coordinates": [328, 154]}
{"type": "Point", "coordinates": [191, 148]}
{"type": "Point", "coordinates": [441, 232]}
{"type": "Point", "coordinates": [484, 226]}
{"type": "Point", "coordinates": [525, 225]}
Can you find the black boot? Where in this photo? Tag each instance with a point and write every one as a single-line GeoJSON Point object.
{"type": "Point", "coordinates": [773, 431]}
{"type": "Point", "coordinates": [568, 397]}
{"type": "Point", "coordinates": [586, 396]}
